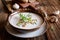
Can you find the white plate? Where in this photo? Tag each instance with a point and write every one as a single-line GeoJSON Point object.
{"type": "Point", "coordinates": [36, 33]}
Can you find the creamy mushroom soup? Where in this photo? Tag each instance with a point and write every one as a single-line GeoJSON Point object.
{"type": "Point", "coordinates": [26, 20]}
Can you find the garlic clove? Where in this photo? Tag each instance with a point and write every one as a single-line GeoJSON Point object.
{"type": "Point", "coordinates": [16, 6]}
{"type": "Point", "coordinates": [57, 12]}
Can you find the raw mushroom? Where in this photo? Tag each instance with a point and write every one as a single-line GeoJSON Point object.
{"type": "Point", "coordinates": [16, 6]}
{"type": "Point", "coordinates": [53, 19]}
{"type": "Point", "coordinates": [31, 1]}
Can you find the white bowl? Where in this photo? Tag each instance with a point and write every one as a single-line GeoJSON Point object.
{"type": "Point", "coordinates": [14, 17]}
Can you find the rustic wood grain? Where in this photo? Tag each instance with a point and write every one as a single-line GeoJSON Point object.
{"type": "Point", "coordinates": [54, 35]}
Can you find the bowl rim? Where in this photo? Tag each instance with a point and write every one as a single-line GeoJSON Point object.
{"type": "Point", "coordinates": [27, 37]}
{"type": "Point", "coordinates": [24, 28]}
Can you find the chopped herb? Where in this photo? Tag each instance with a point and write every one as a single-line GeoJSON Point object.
{"type": "Point", "coordinates": [23, 20]}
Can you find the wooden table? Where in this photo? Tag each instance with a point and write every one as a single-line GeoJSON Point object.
{"type": "Point", "coordinates": [49, 6]}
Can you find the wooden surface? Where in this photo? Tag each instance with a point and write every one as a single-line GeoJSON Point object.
{"type": "Point", "coordinates": [51, 34]}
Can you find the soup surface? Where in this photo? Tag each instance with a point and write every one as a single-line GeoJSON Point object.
{"type": "Point", "coordinates": [25, 20]}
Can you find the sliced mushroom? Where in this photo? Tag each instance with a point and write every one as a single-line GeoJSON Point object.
{"type": "Point", "coordinates": [24, 5]}
{"type": "Point", "coordinates": [53, 19]}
